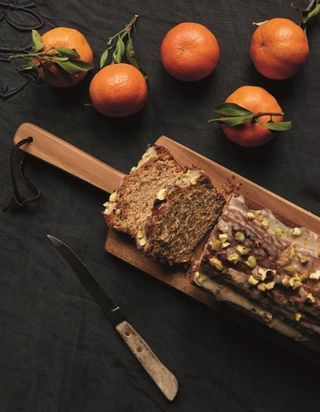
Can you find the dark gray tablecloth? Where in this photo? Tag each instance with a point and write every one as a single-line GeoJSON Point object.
{"type": "Point", "coordinates": [57, 352]}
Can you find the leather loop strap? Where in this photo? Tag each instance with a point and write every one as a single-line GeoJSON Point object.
{"type": "Point", "coordinates": [17, 171]}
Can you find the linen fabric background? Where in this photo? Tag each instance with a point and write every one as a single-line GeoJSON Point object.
{"type": "Point", "coordinates": [58, 353]}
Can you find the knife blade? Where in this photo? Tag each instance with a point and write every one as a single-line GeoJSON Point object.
{"type": "Point", "coordinates": [159, 373]}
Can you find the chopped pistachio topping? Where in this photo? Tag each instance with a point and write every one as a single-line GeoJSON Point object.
{"type": "Point", "coordinates": [200, 277]}
{"type": "Point", "coordinates": [251, 262]}
{"type": "Point", "coordinates": [113, 197]}
{"type": "Point", "coordinates": [233, 257]}
{"type": "Point", "coordinates": [265, 223]}
{"type": "Point", "coordinates": [270, 285]}
{"type": "Point", "coordinates": [290, 268]}
{"type": "Point", "coordinates": [215, 244]}
{"type": "Point", "coordinates": [297, 316]}
{"type": "Point", "coordinates": [223, 237]}
{"type": "Point", "coordinates": [315, 275]}
{"type": "Point", "coordinates": [161, 195]}
{"type": "Point", "coordinates": [252, 280]}
{"type": "Point", "coordinates": [310, 298]}
{"type": "Point", "coordinates": [278, 231]}
{"type": "Point", "coordinates": [295, 282]}
{"type": "Point", "coordinates": [296, 231]}
{"type": "Point", "coordinates": [142, 241]}
{"type": "Point", "coordinates": [225, 244]}
{"type": "Point", "coordinates": [193, 180]}
{"type": "Point", "coordinates": [262, 287]}
{"type": "Point", "coordinates": [147, 153]}
{"type": "Point", "coordinates": [216, 263]}
{"type": "Point", "coordinates": [261, 273]}
{"type": "Point", "coordinates": [239, 236]}
{"type": "Point", "coordinates": [140, 234]}
{"type": "Point", "coordinates": [109, 207]}
{"type": "Point", "coordinates": [292, 252]}
{"type": "Point", "coordinates": [242, 250]}
{"type": "Point", "coordinates": [285, 282]}
{"type": "Point", "coordinates": [250, 215]}
{"type": "Point", "coordinates": [303, 259]}
{"type": "Point", "coordinates": [267, 316]}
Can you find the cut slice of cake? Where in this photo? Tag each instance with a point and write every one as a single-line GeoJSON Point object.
{"type": "Point", "coordinates": [182, 214]}
{"type": "Point", "coordinates": [168, 209]}
{"type": "Point", "coordinates": [263, 262]}
{"type": "Point", "coordinates": [130, 204]}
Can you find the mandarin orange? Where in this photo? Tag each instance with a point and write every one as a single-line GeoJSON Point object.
{"type": "Point", "coordinates": [118, 90]}
{"type": "Point", "coordinates": [72, 39]}
{"type": "Point", "coordinates": [279, 48]}
{"type": "Point", "coordinates": [257, 100]}
{"type": "Point", "coordinates": [189, 51]}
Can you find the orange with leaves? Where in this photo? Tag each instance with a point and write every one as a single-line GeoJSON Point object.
{"type": "Point", "coordinates": [189, 51]}
{"type": "Point", "coordinates": [250, 116]}
{"type": "Point", "coordinates": [62, 56]}
{"type": "Point", "coordinates": [71, 39]}
{"type": "Point", "coordinates": [119, 89]}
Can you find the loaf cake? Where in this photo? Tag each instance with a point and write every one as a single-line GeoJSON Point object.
{"type": "Point", "coordinates": [265, 268]}
{"type": "Point", "coordinates": [167, 208]}
{"type": "Point", "coordinates": [182, 214]}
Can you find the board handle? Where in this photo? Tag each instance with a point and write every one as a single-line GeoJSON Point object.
{"type": "Point", "coordinates": [160, 374]}
{"type": "Point", "coordinates": [67, 157]}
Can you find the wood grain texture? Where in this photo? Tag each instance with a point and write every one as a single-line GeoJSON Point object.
{"type": "Point", "coordinates": [67, 157]}
{"type": "Point", "coordinates": [162, 377]}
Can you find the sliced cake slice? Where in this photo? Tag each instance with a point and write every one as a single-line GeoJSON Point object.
{"type": "Point", "coordinates": [167, 208]}
{"type": "Point", "coordinates": [182, 214]}
{"type": "Point", "coordinates": [259, 258]}
{"type": "Point", "coordinates": [130, 204]}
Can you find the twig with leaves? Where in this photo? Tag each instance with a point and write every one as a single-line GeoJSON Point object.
{"type": "Point", "coordinates": [66, 59]}
{"type": "Point", "coordinates": [234, 115]}
{"type": "Point", "coordinates": [307, 13]}
{"type": "Point", "coordinates": [120, 48]}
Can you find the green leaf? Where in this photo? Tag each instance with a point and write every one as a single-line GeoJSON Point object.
{"type": "Point", "coordinates": [47, 74]}
{"type": "Point", "coordinates": [131, 57]}
{"type": "Point", "coordinates": [74, 67]}
{"type": "Point", "coordinates": [277, 126]}
{"type": "Point", "coordinates": [60, 59]}
{"type": "Point", "coordinates": [233, 121]}
{"type": "Point", "coordinates": [37, 43]}
{"type": "Point", "coordinates": [104, 57]}
{"type": "Point", "coordinates": [231, 109]}
{"type": "Point", "coordinates": [83, 65]}
{"type": "Point", "coordinates": [131, 54]}
{"type": "Point", "coordinates": [119, 51]}
{"type": "Point", "coordinates": [66, 52]}
{"type": "Point", "coordinates": [26, 68]}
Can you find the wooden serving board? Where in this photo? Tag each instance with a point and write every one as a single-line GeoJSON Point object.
{"type": "Point", "coordinates": [59, 153]}
{"type": "Point", "coordinates": [124, 248]}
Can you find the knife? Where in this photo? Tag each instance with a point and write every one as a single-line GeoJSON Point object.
{"type": "Point", "coordinates": [162, 377]}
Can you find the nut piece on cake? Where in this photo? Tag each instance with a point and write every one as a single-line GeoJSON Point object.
{"type": "Point", "coordinates": [168, 209]}
{"type": "Point", "coordinates": [266, 262]}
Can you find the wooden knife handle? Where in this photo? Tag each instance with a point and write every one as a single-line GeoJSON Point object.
{"type": "Point", "coordinates": [162, 377]}
{"type": "Point", "coordinates": [67, 157]}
